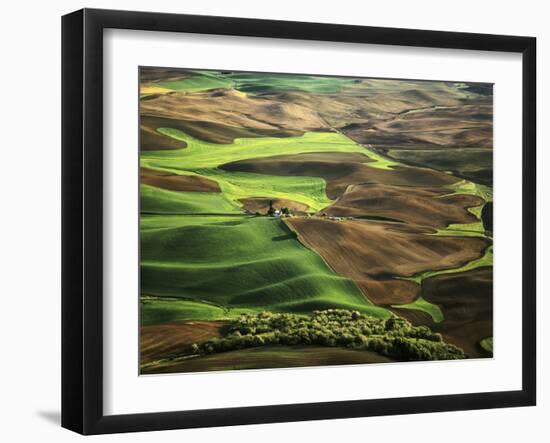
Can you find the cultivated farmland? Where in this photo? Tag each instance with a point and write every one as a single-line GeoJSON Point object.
{"type": "Point", "coordinates": [299, 220]}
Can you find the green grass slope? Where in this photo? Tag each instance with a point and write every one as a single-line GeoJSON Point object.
{"type": "Point", "coordinates": [257, 83]}
{"type": "Point", "coordinates": [159, 310]}
{"type": "Point", "coordinates": [203, 158]}
{"type": "Point", "coordinates": [252, 262]}
{"type": "Point", "coordinates": [251, 82]}
{"type": "Point", "coordinates": [237, 185]}
{"type": "Point", "coordinates": [161, 201]}
{"type": "Point", "coordinates": [199, 81]}
{"type": "Point", "coordinates": [202, 154]}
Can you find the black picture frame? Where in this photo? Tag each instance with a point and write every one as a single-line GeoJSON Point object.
{"type": "Point", "coordinates": [82, 218]}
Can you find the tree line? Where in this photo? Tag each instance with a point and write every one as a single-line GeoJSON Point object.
{"type": "Point", "coordinates": [395, 337]}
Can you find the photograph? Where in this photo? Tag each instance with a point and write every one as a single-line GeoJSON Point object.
{"type": "Point", "coordinates": [301, 220]}
{"type": "Point", "coordinates": [266, 222]}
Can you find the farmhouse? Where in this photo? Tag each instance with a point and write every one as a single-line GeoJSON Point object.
{"type": "Point", "coordinates": [272, 211]}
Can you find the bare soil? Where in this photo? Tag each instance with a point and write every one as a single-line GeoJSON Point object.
{"type": "Point", "coordinates": [234, 114]}
{"type": "Point", "coordinates": [340, 170]}
{"type": "Point", "coordinates": [161, 341]}
{"type": "Point", "coordinates": [269, 357]}
{"type": "Point", "coordinates": [416, 205]}
{"type": "Point", "coordinates": [173, 182]}
{"type": "Point", "coordinates": [368, 252]}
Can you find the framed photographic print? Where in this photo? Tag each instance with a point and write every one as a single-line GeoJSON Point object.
{"type": "Point", "coordinates": [262, 218]}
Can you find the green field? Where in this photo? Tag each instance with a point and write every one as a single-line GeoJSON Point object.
{"type": "Point", "coordinates": [241, 262]}
{"type": "Point", "coordinates": [201, 154]}
{"type": "Point", "coordinates": [204, 158]}
{"type": "Point", "coordinates": [250, 82]}
{"type": "Point", "coordinates": [237, 185]}
{"type": "Point", "coordinates": [197, 83]}
{"type": "Point", "coordinates": [160, 201]}
{"type": "Point", "coordinates": [421, 304]}
{"type": "Point", "coordinates": [160, 310]}
{"type": "Point", "coordinates": [470, 188]}
{"type": "Point", "coordinates": [475, 229]}
{"type": "Point", "coordinates": [378, 160]}
{"type": "Point", "coordinates": [253, 83]}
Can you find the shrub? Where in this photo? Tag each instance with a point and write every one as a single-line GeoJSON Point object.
{"type": "Point", "coordinates": [394, 337]}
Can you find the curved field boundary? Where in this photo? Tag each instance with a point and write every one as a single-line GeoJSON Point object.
{"type": "Point", "coordinates": [204, 158]}
{"type": "Point", "coordinates": [249, 262]}
{"type": "Point", "coordinates": [202, 154]}
{"type": "Point", "coordinates": [485, 260]}
{"type": "Point", "coordinates": [421, 304]}
{"type": "Point", "coordinates": [432, 309]}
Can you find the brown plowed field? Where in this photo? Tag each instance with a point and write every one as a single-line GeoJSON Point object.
{"type": "Point", "coordinates": [340, 170]}
{"type": "Point", "coordinates": [417, 205]}
{"type": "Point", "coordinates": [269, 357]}
{"type": "Point", "coordinates": [366, 251]}
{"type": "Point", "coordinates": [466, 300]}
{"type": "Point", "coordinates": [418, 117]}
{"type": "Point", "coordinates": [174, 182]}
{"type": "Point", "coordinates": [151, 140]}
{"type": "Point", "coordinates": [161, 341]}
{"type": "Point", "coordinates": [388, 291]}
{"type": "Point", "coordinates": [154, 74]}
{"type": "Point", "coordinates": [236, 113]}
